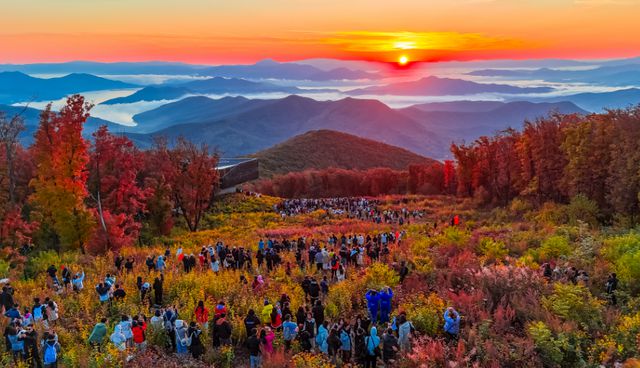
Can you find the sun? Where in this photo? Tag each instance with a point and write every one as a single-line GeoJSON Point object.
{"type": "Point", "coordinates": [403, 60]}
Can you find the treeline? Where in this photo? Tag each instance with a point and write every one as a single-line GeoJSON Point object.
{"type": "Point", "coordinates": [557, 158]}
{"type": "Point", "coordinates": [67, 192]}
{"type": "Point", "coordinates": [418, 179]}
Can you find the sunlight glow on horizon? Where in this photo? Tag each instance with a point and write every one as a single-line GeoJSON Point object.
{"type": "Point", "coordinates": [246, 31]}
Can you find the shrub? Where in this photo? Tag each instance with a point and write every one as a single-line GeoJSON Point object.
{"type": "Point", "coordinates": [582, 209]}
{"type": "Point", "coordinates": [308, 360]}
{"type": "Point", "coordinates": [380, 275]}
{"type": "Point", "coordinates": [575, 303]}
{"type": "Point", "coordinates": [340, 300]}
{"type": "Point", "coordinates": [553, 248]}
{"type": "Point", "coordinates": [425, 312]}
{"type": "Point", "coordinates": [548, 346]}
{"type": "Point", "coordinates": [624, 253]}
{"type": "Point", "coordinates": [491, 250]}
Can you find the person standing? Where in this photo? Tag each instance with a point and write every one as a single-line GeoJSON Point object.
{"type": "Point", "coordinates": [202, 314]}
{"type": "Point", "coordinates": [98, 334]}
{"type": "Point", "coordinates": [372, 348]}
{"type": "Point", "coordinates": [322, 337]}
{"type": "Point", "coordinates": [253, 343]}
{"type": "Point", "coordinates": [196, 348]}
{"type": "Point", "coordinates": [373, 299]}
{"type": "Point", "coordinates": [385, 295]}
{"type": "Point", "coordinates": [389, 347]}
{"type": "Point", "coordinates": [50, 352]}
{"type": "Point", "coordinates": [405, 332]}
{"type": "Point", "coordinates": [158, 285]}
{"type": "Point", "coordinates": [612, 286]}
{"type": "Point", "coordinates": [289, 331]}
{"type": "Point", "coordinates": [30, 339]}
{"type": "Point", "coordinates": [451, 324]}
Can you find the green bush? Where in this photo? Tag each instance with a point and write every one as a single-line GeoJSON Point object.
{"type": "Point", "coordinates": [575, 303]}
{"type": "Point", "coordinates": [491, 250]}
{"type": "Point", "coordinates": [425, 312]}
{"type": "Point", "coordinates": [553, 248]}
{"type": "Point", "coordinates": [563, 350]}
{"type": "Point", "coordinates": [624, 253]}
{"type": "Point", "coordinates": [582, 209]}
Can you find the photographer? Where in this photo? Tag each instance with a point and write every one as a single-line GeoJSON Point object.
{"type": "Point", "coordinates": [30, 339]}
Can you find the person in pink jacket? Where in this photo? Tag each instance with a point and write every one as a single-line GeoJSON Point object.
{"type": "Point", "coordinates": [266, 340]}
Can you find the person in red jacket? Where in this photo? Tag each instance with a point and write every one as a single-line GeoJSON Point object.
{"type": "Point", "coordinates": [221, 309]}
{"type": "Point", "coordinates": [202, 314]}
{"type": "Point", "coordinates": [138, 328]}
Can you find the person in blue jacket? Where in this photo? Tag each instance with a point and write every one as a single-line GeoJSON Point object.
{"type": "Point", "coordinates": [386, 294]}
{"type": "Point", "coordinates": [371, 343]}
{"type": "Point", "coordinates": [451, 324]}
{"type": "Point", "coordinates": [160, 264]}
{"type": "Point", "coordinates": [78, 281]}
{"type": "Point", "coordinates": [373, 299]}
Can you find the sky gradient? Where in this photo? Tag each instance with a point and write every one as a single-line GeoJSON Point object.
{"type": "Point", "coordinates": [214, 32]}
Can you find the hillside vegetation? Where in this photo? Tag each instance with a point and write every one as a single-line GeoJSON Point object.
{"type": "Point", "coordinates": [322, 149]}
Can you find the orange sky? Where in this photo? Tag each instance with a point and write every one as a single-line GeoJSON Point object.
{"type": "Point", "coordinates": [214, 31]}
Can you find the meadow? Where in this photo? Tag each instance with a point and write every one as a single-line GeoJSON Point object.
{"type": "Point", "coordinates": [488, 267]}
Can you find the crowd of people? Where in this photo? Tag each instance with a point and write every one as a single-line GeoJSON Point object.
{"type": "Point", "coordinates": [340, 340]}
{"type": "Point", "coordinates": [362, 340]}
{"type": "Point", "coordinates": [359, 208]}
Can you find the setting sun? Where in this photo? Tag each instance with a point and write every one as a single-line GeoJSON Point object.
{"type": "Point", "coordinates": [403, 60]}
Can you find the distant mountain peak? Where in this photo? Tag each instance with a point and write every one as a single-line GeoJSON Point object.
{"type": "Point", "coordinates": [267, 62]}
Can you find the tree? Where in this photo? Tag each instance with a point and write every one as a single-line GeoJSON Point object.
{"type": "Point", "coordinates": [61, 156]}
{"type": "Point", "coordinates": [193, 177]}
{"type": "Point", "coordinates": [120, 201]}
{"type": "Point", "coordinates": [9, 131]}
{"type": "Point", "coordinates": [157, 177]}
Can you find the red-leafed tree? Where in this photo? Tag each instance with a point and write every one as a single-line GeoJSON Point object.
{"type": "Point", "coordinates": [119, 200]}
{"type": "Point", "coordinates": [61, 156]}
{"type": "Point", "coordinates": [158, 176]}
{"type": "Point", "coordinates": [14, 230]}
{"type": "Point", "coordinates": [449, 172]}
{"type": "Point", "coordinates": [193, 178]}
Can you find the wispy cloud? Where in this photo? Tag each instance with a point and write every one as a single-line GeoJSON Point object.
{"type": "Point", "coordinates": [606, 2]}
{"type": "Point", "coordinates": [365, 41]}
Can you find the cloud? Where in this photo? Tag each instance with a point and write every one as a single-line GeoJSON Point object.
{"type": "Point", "coordinates": [605, 2]}
{"type": "Point", "coordinates": [366, 41]}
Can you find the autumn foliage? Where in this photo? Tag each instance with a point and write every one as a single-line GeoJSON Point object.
{"type": "Point", "coordinates": [99, 195]}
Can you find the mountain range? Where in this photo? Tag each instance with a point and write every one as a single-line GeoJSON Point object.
{"type": "Point", "coordinates": [464, 124]}
{"type": "Point", "coordinates": [262, 123]}
{"type": "Point", "coordinates": [31, 118]}
{"type": "Point", "coordinates": [20, 87]}
{"type": "Point", "coordinates": [610, 75]}
{"type": "Point", "coordinates": [237, 126]}
{"type": "Point", "coordinates": [322, 149]}
{"type": "Point", "coordinates": [216, 85]}
{"type": "Point", "coordinates": [600, 101]}
{"type": "Point", "coordinates": [241, 126]}
{"type": "Point", "coordinates": [435, 86]}
{"type": "Point", "coordinates": [265, 69]}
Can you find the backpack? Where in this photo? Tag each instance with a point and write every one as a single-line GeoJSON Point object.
{"type": "Point", "coordinates": [37, 313]}
{"type": "Point", "coordinates": [376, 350]}
{"type": "Point", "coordinates": [186, 340]}
{"type": "Point", "coordinates": [50, 354]}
